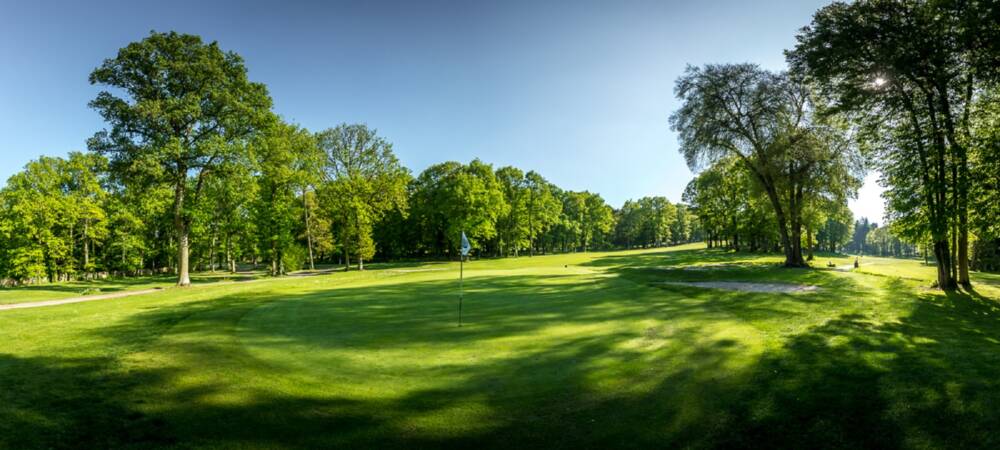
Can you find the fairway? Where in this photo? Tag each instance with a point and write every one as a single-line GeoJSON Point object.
{"type": "Point", "coordinates": [569, 351]}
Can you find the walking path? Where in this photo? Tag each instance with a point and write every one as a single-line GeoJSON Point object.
{"type": "Point", "coordinates": [90, 298]}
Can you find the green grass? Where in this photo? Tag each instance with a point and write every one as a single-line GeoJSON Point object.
{"type": "Point", "coordinates": [584, 350]}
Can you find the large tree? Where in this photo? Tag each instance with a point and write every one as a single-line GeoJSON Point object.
{"type": "Point", "coordinates": [542, 207]}
{"type": "Point", "coordinates": [909, 73]}
{"type": "Point", "coordinates": [364, 181]}
{"type": "Point", "coordinates": [177, 109]}
{"type": "Point", "coordinates": [765, 120]}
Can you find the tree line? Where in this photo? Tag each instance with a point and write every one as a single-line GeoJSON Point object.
{"type": "Point", "coordinates": [194, 171]}
{"type": "Point", "coordinates": [907, 87]}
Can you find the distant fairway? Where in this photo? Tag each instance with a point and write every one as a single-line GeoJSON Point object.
{"type": "Point", "coordinates": [582, 350]}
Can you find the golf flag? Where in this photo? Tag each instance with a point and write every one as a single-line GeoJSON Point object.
{"type": "Point", "coordinates": [465, 245]}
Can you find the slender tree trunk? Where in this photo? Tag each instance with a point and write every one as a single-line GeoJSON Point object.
{"type": "Point", "coordinates": [211, 252]}
{"type": "Point", "coordinates": [531, 233]}
{"type": "Point", "coordinates": [309, 238]}
{"type": "Point", "coordinates": [181, 226]}
{"type": "Point", "coordinates": [183, 275]}
{"type": "Point", "coordinates": [954, 251]}
{"type": "Point", "coordinates": [809, 243]}
{"type": "Point", "coordinates": [86, 245]}
{"type": "Point", "coordinates": [274, 260]}
{"type": "Point", "coordinates": [230, 262]}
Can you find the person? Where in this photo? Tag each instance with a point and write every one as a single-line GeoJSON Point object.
{"type": "Point", "coordinates": [856, 264]}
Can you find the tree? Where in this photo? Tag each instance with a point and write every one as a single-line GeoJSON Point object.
{"type": "Point", "coordinates": [686, 227]}
{"type": "Point", "coordinates": [985, 174]}
{"type": "Point", "coordinates": [53, 215]}
{"type": "Point", "coordinates": [628, 224]}
{"type": "Point", "coordinates": [451, 198]}
{"type": "Point", "coordinates": [186, 108]}
{"type": "Point", "coordinates": [364, 181]}
{"type": "Point", "coordinates": [286, 155]}
{"type": "Point", "coordinates": [908, 73]}
{"type": "Point", "coordinates": [542, 207]}
{"type": "Point", "coordinates": [765, 121]}
{"type": "Point", "coordinates": [513, 227]}
{"type": "Point", "coordinates": [591, 218]}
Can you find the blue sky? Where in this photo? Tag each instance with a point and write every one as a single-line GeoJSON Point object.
{"type": "Point", "coordinates": [580, 91]}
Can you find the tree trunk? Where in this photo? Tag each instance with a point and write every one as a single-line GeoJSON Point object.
{"type": "Point", "coordinates": [809, 244]}
{"type": "Point", "coordinates": [786, 240]}
{"type": "Point", "coordinates": [954, 251]}
{"type": "Point", "coordinates": [211, 252]}
{"type": "Point", "coordinates": [230, 262]}
{"type": "Point", "coordinates": [274, 259]}
{"type": "Point", "coordinates": [963, 253]}
{"type": "Point", "coordinates": [86, 245]}
{"type": "Point", "coordinates": [531, 233]}
{"type": "Point", "coordinates": [943, 265]}
{"type": "Point", "coordinates": [181, 226]}
{"type": "Point", "coordinates": [309, 238]}
{"type": "Point", "coordinates": [183, 275]}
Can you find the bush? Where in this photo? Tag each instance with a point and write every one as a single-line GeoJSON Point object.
{"type": "Point", "coordinates": [294, 258]}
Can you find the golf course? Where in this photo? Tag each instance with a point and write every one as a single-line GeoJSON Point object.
{"type": "Point", "coordinates": [475, 225]}
{"type": "Point", "coordinates": [583, 350]}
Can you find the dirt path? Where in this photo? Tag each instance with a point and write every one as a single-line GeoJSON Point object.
{"type": "Point", "coordinates": [88, 298]}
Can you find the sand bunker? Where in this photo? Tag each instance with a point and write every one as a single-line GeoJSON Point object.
{"type": "Point", "coordinates": [748, 286]}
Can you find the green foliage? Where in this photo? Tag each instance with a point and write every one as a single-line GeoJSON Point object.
{"type": "Point", "coordinates": [451, 198]}
{"type": "Point", "coordinates": [286, 159]}
{"type": "Point", "coordinates": [766, 123]}
{"type": "Point", "coordinates": [294, 258]}
{"type": "Point", "coordinates": [651, 222]}
{"type": "Point", "coordinates": [178, 109]}
{"type": "Point", "coordinates": [364, 181]}
{"type": "Point", "coordinates": [51, 216]}
{"type": "Point", "coordinates": [909, 75]}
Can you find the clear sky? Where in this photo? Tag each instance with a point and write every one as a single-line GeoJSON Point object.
{"type": "Point", "coordinates": [580, 91]}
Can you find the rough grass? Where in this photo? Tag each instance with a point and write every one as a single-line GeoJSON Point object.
{"type": "Point", "coordinates": [585, 350]}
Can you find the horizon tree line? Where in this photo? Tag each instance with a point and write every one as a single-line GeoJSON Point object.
{"type": "Point", "coordinates": [192, 148]}
{"type": "Point", "coordinates": [195, 172]}
{"type": "Point", "coordinates": [909, 88]}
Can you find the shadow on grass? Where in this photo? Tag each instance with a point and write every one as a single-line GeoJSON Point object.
{"type": "Point", "coordinates": [844, 376]}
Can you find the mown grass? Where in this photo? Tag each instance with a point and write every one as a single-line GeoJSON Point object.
{"type": "Point", "coordinates": [585, 350]}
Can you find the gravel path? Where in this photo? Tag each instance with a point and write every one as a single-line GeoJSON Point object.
{"type": "Point", "coordinates": [88, 298]}
{"type": "Point", "coordinates": [747, 286]}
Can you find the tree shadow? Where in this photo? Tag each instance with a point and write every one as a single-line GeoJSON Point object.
{"type": "Point", "coordinates": [676, 367]}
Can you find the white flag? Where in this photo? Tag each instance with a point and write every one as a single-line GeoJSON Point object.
{"type": "Point", "coordinates": [465, 245]}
